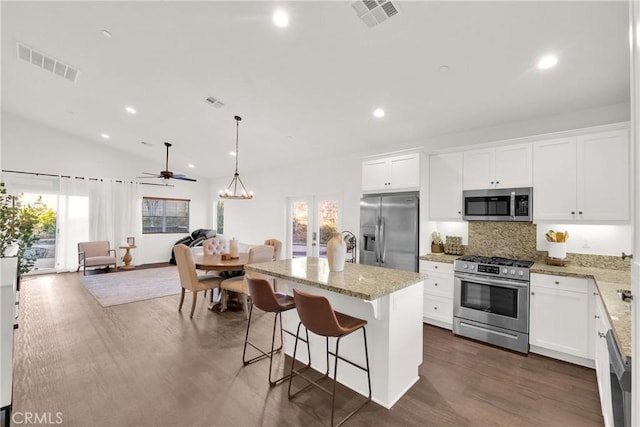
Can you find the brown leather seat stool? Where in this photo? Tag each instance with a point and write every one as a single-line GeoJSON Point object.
{"type": "Point", "coordinates": [318, 317]}
{"type": "Point", "coordinates": [262, 296]}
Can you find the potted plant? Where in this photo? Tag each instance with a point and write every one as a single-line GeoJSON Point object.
{"type": "Point", "coordinates": [9, 222]}
{"type": "Point", "coordinates": [9, 233]}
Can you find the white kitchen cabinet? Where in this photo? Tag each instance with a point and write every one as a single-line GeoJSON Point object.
{"type": "Point", "coordinates": [395, 173]}
{"type": "Point", "coordinates": [602, 361]}
{"type": "Point", "coordinates": [508, 166]}
{"type": "Point", "coordinates": [438, 293]}
{"type": "Point", "coordinates": [583, 178]}
{"type": "Point", "coordinates": [445, 186]}
{"type": "Point", "coordinates": [8, 269]}
{"type": "Point", "coordinates": [559, 315]}
{"type": "Point", "coordinates": [603, 176]}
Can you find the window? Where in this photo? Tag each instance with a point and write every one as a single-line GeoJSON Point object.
{"type": "Point", "coordinates": [165, 215]}
{"type": "Point", "coordinates": [219, 217]}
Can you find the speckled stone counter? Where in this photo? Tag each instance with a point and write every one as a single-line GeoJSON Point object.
{"type": "Point", "coordinates": [441, 257]}
{"type": "Point", "coordinates": [357, 280]}
{"type": "Point", "coordinates": [608, 282]}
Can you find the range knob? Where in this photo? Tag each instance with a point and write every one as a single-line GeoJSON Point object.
{"type": "Point", "coordinates": [465, 266]}
{"type": "Point", "coordinates": [473, 267]}
{"type": "Point", "coordinates": [512, 271]}
{"type": "Point", "coordinates": [520, 273]}
{"type": "Point", "coordinates": [505, 270]}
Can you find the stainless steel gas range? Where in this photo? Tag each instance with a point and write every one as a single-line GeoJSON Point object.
{"type": "Point", "coordinates": [491, 300]}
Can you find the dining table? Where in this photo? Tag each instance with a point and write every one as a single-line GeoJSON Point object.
{"type": "Point", "coordinates": [216, 263]}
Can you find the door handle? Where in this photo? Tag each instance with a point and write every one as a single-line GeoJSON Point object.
{"type": "Point", "coordinates": [383, 249]}
{"type": "Point", "coordinates": [377, 237]}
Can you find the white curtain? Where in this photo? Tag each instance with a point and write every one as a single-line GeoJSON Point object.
{"type": "Point", "coordinates": [97, 210]}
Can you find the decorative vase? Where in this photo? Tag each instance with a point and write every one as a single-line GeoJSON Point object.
{"type": "Point", "coordinates": [336, 252]}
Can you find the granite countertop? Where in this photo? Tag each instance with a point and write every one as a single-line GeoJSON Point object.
{"type": "Point", "coordinates": [360, 281]}
{"type": "Point", "coordinates": [608, 281]}
{"type": "Point", "coordinates": [441, 257]}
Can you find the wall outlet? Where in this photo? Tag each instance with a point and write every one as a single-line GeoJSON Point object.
{"type": "Point", "coordinates": [585, 244]}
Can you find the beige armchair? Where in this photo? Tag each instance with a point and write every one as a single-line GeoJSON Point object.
{"type": "Point", "coordinates": [277, 247]}
{"type": "Point", "coordinates": [96, 254]}
{"type": "Point", "coordinates": [189, 280]}
{"type": "Point", "coordinates": [239, 284]}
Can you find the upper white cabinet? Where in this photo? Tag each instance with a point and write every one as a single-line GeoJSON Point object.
{"type": "Point", "coordinates": [582, 178]}
{"type": "Point", "coordinates": [395, 173]}
{"type": "Point", "coordinates": [445, 186]}
{"type": "Point", "coordinates": [500, 167]}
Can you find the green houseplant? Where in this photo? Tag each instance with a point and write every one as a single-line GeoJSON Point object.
{"type": "Point", "coordinates": [21, 226]}
{"type": "Point", "coordinates": [9, 221]}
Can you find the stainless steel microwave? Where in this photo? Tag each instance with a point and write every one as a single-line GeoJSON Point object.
{"type": "Point", "coordinates": [498, 204]}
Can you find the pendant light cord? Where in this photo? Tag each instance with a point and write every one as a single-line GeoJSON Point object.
{"type": "Point", "coordinates": [238, 118]}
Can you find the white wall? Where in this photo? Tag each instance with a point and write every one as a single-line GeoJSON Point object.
{"type": "Point", "coordinates": [28, 146]}
{"type": "Point", "coordinates": [264, 216]}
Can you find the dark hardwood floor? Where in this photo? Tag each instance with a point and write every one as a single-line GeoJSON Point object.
{"type": "Point", "coordinates": [145, 364]}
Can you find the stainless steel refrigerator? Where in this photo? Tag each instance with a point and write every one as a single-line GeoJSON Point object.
{"type": "Point", "coordinates": [389, 230]}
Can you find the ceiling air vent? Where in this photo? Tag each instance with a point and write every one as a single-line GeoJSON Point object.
{"type": "Point", "coordinates": [213, 102]}
{"type": "Point", "coordinates": [374, 12]}
{"type": "Point", "coordinates": [47, 62]}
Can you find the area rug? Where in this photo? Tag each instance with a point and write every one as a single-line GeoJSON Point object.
{"type": "Point", "coordinates": [131, 286]}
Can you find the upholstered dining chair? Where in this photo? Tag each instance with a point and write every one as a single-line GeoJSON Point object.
{"type": "Point", "coordinates": [277, 247]}
{"type": "Point", "coordinates": [96, 254]}
{"type": "Point", "coordinates": [239, 285]}
{"type": "Point", "coordinates": [189, 279]}
{"type": "Point", "coordinates": [215, 246]}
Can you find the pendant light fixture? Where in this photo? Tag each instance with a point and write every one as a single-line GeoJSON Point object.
{"type": "Point", "coordinates": [236, 189]}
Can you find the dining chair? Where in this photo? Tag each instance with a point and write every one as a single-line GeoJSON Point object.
{"type": "Point", "coordinates": [277, 247]}
{"type": "Point", "coordinates": [189, 279]}
{"type": "Point", "coordinates": [215, 246]}
{"type": "Point", "coordinates": [239, 285]}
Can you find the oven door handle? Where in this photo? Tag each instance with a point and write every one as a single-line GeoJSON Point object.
{"type": "Point", "coordinates": [496, 282]}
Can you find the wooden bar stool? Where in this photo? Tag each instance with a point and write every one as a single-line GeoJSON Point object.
{"type": "Point", "coordinates": [318, 317]}
{"type": "Point", "coordinates": [263, 297]}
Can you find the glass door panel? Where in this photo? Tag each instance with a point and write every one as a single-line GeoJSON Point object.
{"type": "Point", "coordinates": [40, 256]}
{"type": "Point", "coordinates": [311, 222]}
{"type": "Point", "coordinates": [327, 214]}
{"type": "Point", "coordinates": [299, 229]}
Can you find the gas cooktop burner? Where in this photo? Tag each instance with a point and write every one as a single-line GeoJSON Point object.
{"type": "Point", "coordinates": [506, 262]}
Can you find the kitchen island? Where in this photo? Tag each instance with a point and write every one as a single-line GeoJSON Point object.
{"type": "Point", "coordinates": [390, 301]}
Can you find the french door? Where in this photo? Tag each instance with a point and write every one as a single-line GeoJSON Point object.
{"type": "Point", "coordinates": [311, 222]}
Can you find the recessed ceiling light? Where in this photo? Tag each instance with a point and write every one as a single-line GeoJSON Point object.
{"type": "Point", "coordinates": [547, 62]}
{"type": "Point", "coordinates": [378, 112]}
{"type": "Point", "coordinates": [191, 165]}
{"type": "Point", "coordinates": [131, 110]}
{"type": "Point", "coordinates": [281, 19]}
{"type": "Point", "coordinates": [106, 33]}
{"type": "Point", "coordinates": [443, 68]}
{"type": "Point", "coordinates": [232, 153]}
{"type": "Point", "coordinates": [105, 136]}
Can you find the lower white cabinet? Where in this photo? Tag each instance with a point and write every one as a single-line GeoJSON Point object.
{"type": "Point", "coordinates": [559, 316]}
{"type": "Point", "coordinates": [602, 361]}
{"type": "Point", "coordinates": [438, 293]}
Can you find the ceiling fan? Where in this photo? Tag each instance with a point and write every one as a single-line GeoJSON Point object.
{"type": "Point", "coordinates": [166, 173]}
